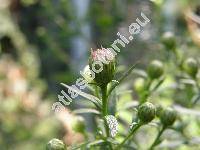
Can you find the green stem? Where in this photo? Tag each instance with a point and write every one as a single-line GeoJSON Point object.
{"type": "Point", "coordinates": [157, 138]}
{"type": "Point", "coordinates": [135, 128]}
{"type": "Point", "coordinates": [146, 93]}
{"type": "Point", "coordinates": [105, 111]}
{"type": "Point", "coordinates": [104, 100]}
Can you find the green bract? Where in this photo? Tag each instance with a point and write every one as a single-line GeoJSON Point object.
{"type": "Point", "coordinates": [55, 144]}
{"type": "Point", "coordinates": [168, 116]}
{"type": "Point", "coordinates": [102, 63]}
{"type": "Point", "coordinates": [190, 66]}
{"type": "Point", "coordinates": [155, 69]}
{"type": "Point", "coordinates": [146, 112]}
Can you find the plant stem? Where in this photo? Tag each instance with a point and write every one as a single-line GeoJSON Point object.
{"type": "Point", "coordinates": [105, 107]}
{"type": "Point", "coordinates": [157, 138]}
{"type": "Point", "coordinates": [146, 93]}
{"type": "Point", "coordinates": [135, 128]}
{"type": "Point", "coordinates": [104, 100]}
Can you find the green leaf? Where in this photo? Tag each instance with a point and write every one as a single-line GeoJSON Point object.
{"type": "Point", "coordinates": [92, 98]}
{"type": "Point", "coordinates": [113, 103]}
{"type": "Point", "coordinates": [195, 98]}
{"type": "Point", "coordinates": [97, 142]}
{"type": "Point", "coordinates": [160, 81]}
{"type": "Point", "coordinates": [141, 73]}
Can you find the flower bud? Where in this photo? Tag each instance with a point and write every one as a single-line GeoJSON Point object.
{"type": "Point", "coordinates": [102, 63]}
{"type": "Point", "coordinates": [146, 112]}
{"type": "Point", "coordinates": [169, 41]}
{"type": "Point", "coordinates": [191, 67]}
{"type": "Point", "coordinates": [55, 144]}
{"type": "Point", "coordinates": [78, 124]}
{"type": "Point", "coordinates": [168, 116]}
{"type": "Point", "coordinates": [139, 85]}
{"type": "Point", "coordinates": [155, 69]}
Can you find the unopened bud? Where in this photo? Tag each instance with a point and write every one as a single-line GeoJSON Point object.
{"type": "Point", "coordinates": [146, 112]}
{"type": "Point", "coordinates": [191, 67]}
{"type": "Point", "coordinates": [168, 116]}
{"type": "Point", "coordinates": [169, 41]}
{"type": "Point", "coordinates": [139, 85]}
{"type": "Point", "coordinates": [155, 69]}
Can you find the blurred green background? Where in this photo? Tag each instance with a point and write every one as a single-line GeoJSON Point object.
{"type": "Point", "coordinates": [46, 42]}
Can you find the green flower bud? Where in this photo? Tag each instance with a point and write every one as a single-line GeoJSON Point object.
{"type": "Point", "coordinates": [191, 67]}
{"type": "Point", "coordinates": [102, 63]}
{"type": "Point", "coordinates": [155, 69]}
{"type": "Point", "coordinates": [78, 124]}
{"type": "Point", "coordinates": [146, 112]}
{"type": "Point", "coordinates": [169, 41]}
{"type": "Point", "coordinates": [168, 116]}
{"type": "Point", "coordinates": [55, 144]}
{"type": "Point", "coordinates": [139, 85]}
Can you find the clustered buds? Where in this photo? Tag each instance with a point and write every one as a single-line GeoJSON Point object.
{"type": "Point", "coordinates": [168, 116]}
{"type": "Point", "coordinates": [155, 69]}
{"type": "Point", "coordinates": [112, 124]}
{"type": "Point", "coordinates": [78, 124]}
{"type": "Point", "coordinates": [191, 67]}
{"type": "Point", "coordinates": [169, 41]}
{"type": "Point", "coordinates": [102, 63]}
{"type": "Point", "coordinates": [146, 112]}
{"type": "Point", "coordinates": [55, 144]}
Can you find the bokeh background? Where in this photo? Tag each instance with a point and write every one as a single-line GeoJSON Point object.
{"type": "Point", "coordinates": [46, 42]}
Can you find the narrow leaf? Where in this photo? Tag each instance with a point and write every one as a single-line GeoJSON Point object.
{"type": "Point", "coordinates": [92, 98]}
{"type": "Point", "coordinates": [86, 110]}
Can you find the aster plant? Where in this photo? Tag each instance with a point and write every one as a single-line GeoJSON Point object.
{"type": "Point", "coordinates": [113, 132]}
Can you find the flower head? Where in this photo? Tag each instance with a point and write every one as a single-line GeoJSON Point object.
{"type": "Point", "coordinates": [102, 63]}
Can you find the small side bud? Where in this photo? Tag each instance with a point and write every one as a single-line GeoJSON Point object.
{"type": "Point", "coordinates": [155, 69]}
{"type": "Point", "coordinates": [159, 110]}
{"type": "Point", "coordinates": [146, 112]}
{"type": "Point", "coordinates": [78, 124]}
{"type": "Point", "coordinates": [191, 67]}
{"type": "Point", "coordinates": [55, 144]}
{"type": "Point", "coordinates": [169, 41]}
{"type": "Point", "coordinates": [168, 116]}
